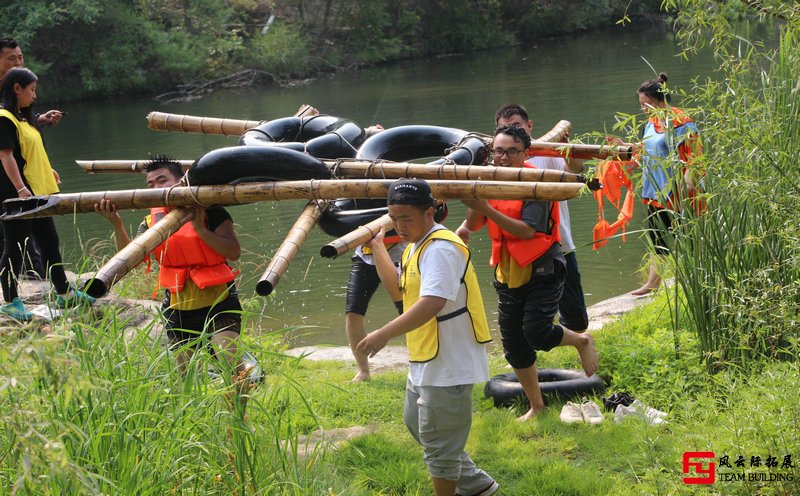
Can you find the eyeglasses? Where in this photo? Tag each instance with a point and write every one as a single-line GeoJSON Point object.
{"type": "Point", "coordinates": [512, 153]}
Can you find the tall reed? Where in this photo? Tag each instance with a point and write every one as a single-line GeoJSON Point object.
{"type": "Point", "coordinates": [738, 266]}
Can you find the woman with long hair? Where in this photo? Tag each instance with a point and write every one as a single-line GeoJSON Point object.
{"type": "Point", "coordinates": [26, 172]}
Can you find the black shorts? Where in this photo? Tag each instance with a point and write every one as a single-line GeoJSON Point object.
{"type": "Point", "coordinates": [186, 326]}
{"type": "Point", "coordinates": [659, 228]}
{"type": "Point", "coordinates": [361, 285]}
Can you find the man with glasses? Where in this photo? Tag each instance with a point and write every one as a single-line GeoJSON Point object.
{"type": "Point", "coordinates": [529, 272]}
{"type": "Point", "coordinates": [572, 306]}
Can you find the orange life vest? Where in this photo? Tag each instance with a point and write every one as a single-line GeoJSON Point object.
{"type": "Point", "coordinates": [186, 254]}
{"type": "Point", "coordinates": [613, 177]}
{"type": "Point", "coordinates": [524, 251]}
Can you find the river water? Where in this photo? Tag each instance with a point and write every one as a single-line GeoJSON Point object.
{"type": "Point", "coordinates": [585, 79]}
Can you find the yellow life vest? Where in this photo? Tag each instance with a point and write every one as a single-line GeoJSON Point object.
{"type": "Point", "coordinates": [423, 342]}
{"type": "Point", "coordinates": [37, 170]}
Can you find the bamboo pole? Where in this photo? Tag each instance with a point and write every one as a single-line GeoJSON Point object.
{"type": "Point", "coordinates": [318, 189]}
{"type": "Point", "coordinates": [288, 249]}
{"type": "Point", "coordinates": [385, 170]}
{"type": "Point", "coordinates": [356, 237]}
{"type": "Point", "coordinates": [579, 151]}
{"type": "Point", "coordinates": [120, 166]}
{"type": "Point", "coordinates": [559, 133]}
{"type": "Point", "coordinates": [162, 121]}
{"type": "Point", "coordinates": [137, 250]}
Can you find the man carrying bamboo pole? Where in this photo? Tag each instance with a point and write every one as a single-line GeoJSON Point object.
{"type": "Point", "coordinates": [572, 305]}
{"type": "Point", "coordinates": [200, 292]}
{"type": "Point", "coordinates": [529, 273]}
{"type": "Point", "coordinates": [446, 330]}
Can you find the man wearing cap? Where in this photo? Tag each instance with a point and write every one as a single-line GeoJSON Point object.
{"type": "Point", "coordinates": [446, 331]}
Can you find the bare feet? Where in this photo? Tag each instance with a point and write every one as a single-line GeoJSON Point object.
{"type": "Point", "coordinates": [530, 414]}
{"type": "Point", "coordinates": [643, 291]}
{"type": "Point", "coordinates": [361, 376]}
{"type": "Point", "coordinates": [588, 354]}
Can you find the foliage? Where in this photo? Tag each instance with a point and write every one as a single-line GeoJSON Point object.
{"type": "Point", "coordinates": [739, 265]}
{"type": "Point", "coordinates": [89, 48]}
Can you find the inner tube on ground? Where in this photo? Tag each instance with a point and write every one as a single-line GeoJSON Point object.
{"type": "Point", "coordinates": [505, 389]}
{"type": "Point", "coordinates": [255, 163]}
{"type": "Point", "coordinates": [323, 136]}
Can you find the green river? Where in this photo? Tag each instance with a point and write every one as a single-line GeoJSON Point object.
{"type": "Point", "coordinates": [585, 79]}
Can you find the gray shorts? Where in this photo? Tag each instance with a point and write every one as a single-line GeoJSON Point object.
{"type": "Point", "coordinates": [440, 418]}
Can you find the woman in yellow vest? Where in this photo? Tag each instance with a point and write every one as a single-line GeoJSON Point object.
{"type": "Point", "coordinates": [446, 330]}
{"type": "Point", "coordinates": [529, 273]}
{"type": "Point", "coordinates": [27, 172]}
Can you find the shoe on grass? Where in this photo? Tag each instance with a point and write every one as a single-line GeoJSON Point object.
{"type": "Point", "coordinates": [74, 298]}
{"type": "Point", "coordinates": [487, 491]}
{"type": "Point", "coordinates": [649, 411]}
{"type": "Point", "coordinates": [16, 310]}
{"type": "Point", "coordinates": [623, 411]}
{"type": "Point", "coordinates": [571, 413]}
{"type": "Point", "coordinates": [591, 412]}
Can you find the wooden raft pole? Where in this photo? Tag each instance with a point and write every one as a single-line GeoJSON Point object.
{"type": "Point", "coordinates": [137, 250]}
{"type": "Point", "coordinates": [233, 194]}
{"type": "Point", "coordinates": [559, 133]}
{"type": "Point", "coordinates": [162, 121]}
{"type": "Point", "coordinates": [356, 237]}
{"type": "Point", "coordinates": [120, 166]}
{"type": "Point", "coordinates": [288, 249]}
{"type": "Point", "coordinates": [385, 170]}
{"type": "Point", "coordinates": [579, 151]}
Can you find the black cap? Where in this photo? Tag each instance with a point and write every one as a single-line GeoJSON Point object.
{"type": "Point", "coordinates": [410, 192]}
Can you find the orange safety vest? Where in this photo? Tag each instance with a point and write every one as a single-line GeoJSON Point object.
{"type": "Point", "coordinates": [613, 176]}
{"type": "Point", "coordinates": [186, 254]}
{"type": "Point", "coordinates": [524, 251]}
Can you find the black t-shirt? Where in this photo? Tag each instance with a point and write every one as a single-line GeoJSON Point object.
{"type": "Point", "coordinates": [10, 141]}
{"type": "Point", "coordinates": [536, 214]}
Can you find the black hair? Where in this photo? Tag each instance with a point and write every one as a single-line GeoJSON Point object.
{"type": "Point", "coordinates": [8, 43]}
{"type": "Point", "coordinates": [519, 134]}
{"type": "Point", "coordinates": [164, 162]}
{"type": "Point", "coordinates": [8, 98]}
{"type": "Point", "coordinates": [656, 88]}
{"type": "Point", "coordinates": [510, 110]}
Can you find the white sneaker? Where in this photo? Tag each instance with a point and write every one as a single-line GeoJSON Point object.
{"type": "Point", "coordinates": [571, 413]}
{"type": "Point", "coordinates": [623, 411]}
{"type": "Point", "coordinates": [591, 412]}
{"type": "Point", "coordinates": [648, 411]}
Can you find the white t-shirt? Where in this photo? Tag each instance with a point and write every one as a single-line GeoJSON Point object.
{"type": "Point", "coordinates": [559, 164]}
{"type": "Point", "coordinates": [461, 359]}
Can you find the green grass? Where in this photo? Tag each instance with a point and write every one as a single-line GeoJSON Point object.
{"type": "Point", "coordinates": [88, 412]}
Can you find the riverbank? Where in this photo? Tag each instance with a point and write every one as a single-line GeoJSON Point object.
{"type": "Point", "coordinates": [396, 357]}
